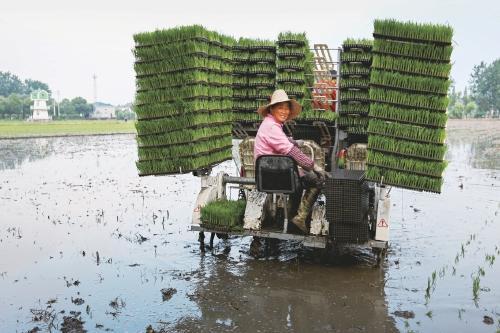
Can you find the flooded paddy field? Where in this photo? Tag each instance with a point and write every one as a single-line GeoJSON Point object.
{"type": "Point", "coordinates": [87, 245]}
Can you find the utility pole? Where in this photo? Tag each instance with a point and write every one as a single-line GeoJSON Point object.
{"type": "Point", "coordinates": [95, 90]}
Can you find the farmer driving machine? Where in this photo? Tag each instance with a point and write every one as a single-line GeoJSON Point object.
{"type": "Point", "coordinates": [374, 113]}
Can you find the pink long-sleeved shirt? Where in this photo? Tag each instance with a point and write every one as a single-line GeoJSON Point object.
{"type": "Point", "coordinates": [271, 140]}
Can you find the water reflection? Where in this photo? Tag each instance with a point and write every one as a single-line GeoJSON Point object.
{"type": "Point", "coordinates": [15, 152]}
{"type": "Point", "coordinates": [296, 296]}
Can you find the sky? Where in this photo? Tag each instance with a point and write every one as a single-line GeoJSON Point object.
{"type": "Point", "coordinates": [64, 42]}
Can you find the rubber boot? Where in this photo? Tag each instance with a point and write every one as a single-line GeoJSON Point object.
{"type": "Point", "coordinates": [308, 199]}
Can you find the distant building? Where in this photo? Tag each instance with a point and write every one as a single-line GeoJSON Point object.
{"type": "Point", "coordinates": [40, 110]}
{"type": "Point", "coordinates": [103, 112]}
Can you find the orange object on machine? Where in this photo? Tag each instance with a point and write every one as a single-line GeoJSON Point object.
{"type": "Point", "coordinates": [324, 93]}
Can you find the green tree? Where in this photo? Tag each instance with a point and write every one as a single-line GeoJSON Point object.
{"type": "Point", "coordinates": [10, 84]}
{"type": "Point", "coordinates": [31, 85]}
{"type": "Point", "coordinates": [485, 88]}
{"type": "Point", "coordinates": [81, 106]}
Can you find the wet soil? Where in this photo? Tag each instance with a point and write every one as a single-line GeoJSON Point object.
{"type": "Point", "coordinates": [87, 245]}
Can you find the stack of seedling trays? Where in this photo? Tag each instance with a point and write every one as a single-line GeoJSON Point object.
{"type": "Point", "coordinates": [223, 215]}
{"type": "Point", "coordinates": [354, 85]}
{"type": "Point", "coordinates": [347, 202]}
{"type": "Point", "coordinates": [408, 92]}
{"type": "Point", "coordinates": [254, 73]}
{"type": "Point", "coordinates": [184, 99]}
{"type": "Point", "coordinates": [294, 64]}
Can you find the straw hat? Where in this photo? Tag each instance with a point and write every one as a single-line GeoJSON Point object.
{"type": "Point", "coordinates": [278, 97]}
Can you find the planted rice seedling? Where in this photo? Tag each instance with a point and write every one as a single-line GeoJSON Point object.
{"type": "Point", "coordinates": [404, 179]}
{"type": "Point", "coordinates": [406, 148]}
{"type": "Point", "coordinates": [419, 84]}
{"type": "Point", "coordinates": [247, 116]}
{"type": "Point", "coordinates": [405, 115]}
{"type": "Point", "coordinates": [426, 168]}
{"type": "Point", "coordinates": [182, 64]}
{"type": "Point", "coordinates": [432, 33]}
{"type": "Point", "coordinates": [429, 102]}
{"type": "Point", "coordinates": [406, 131]}
{"type": "Point", "coordinates": [413, 50]}
{"type": "Point", "coordinates": [224, 214]}
{"type": "Point", "coordinates": [411, 66]}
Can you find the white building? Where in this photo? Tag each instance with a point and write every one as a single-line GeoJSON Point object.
{"type": "Point", "coordinates": [39, 108]}
{"type": "Point", "coordinates": [103, 112]}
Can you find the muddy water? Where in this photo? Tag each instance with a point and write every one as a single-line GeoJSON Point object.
{"type": "Point", "coordinates": [81, 236]}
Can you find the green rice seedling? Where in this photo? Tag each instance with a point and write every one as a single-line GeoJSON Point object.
{"type": "Point", "coordinates": [247, 116]}
{"type": "Point", "coordinates": [413, 50]}
{"type": "Point", "coordinates": [429, 102]}
{"type": "Point", "coordinates": [260, 93]}
{"type": "Point", "coordinates": [406, 148]}
{"type": "Point", "coordinates": [189, 149]}
{"type": "Point", "coordinates": [261, 44]}
{"type": "Point", "coordinates": [241, 56]}
{"type": "Point", "coordinates": [354, 82]}
{"type": "Point", "coordinates": [405, 82]}
{"type": "Point", "coordinates": [262, 56]}
{"type": "Point", "coordinates": [290, 64]}
{"type": "Point", "coordinates": [172, 50]}
{"type": "Point", "coordinates": [224, 213]}
{"type": "Point", "coordinates": [352, 56]}
{"type": "Point", "coordinates": [182, 165]}
{"type": "Point", "coordinates": [362, 44]}
{"type": "Point", "coordinates": [261, 81]}
{"type": "Point", "coordinates": [262, 68]}
{"type": "Point", "coordinates": [240, 80]}
{"type": "Point", "coordinates": [168, 95]}
{"type": "Point", "coordinates": [182, 64]}
{"type": "Point", "coordinates": [354, 69]}
{"type": "Point", "coordinates": [476, 286]}
{"type": "Point", "coordinates": [289, 37]}
{"type": "Point", "coordinates": [182, 136]}
{"type": "Point", "coordinates": [185, 121]}
{"type": "Point", "coordinates": [412, 116]}
{"type": "Point", "coordinates": [292, 89]}
{"type": "Point", "coordinates": [353, 121]}
{"type": "Point", "coordinates": [357, 107]}
{"type": "Point", "coordinates": [171, 35]}
{"type": "Point", "coordinates": [426, 168]}
{"type": "Point", "coordinates": [406, 131]}
{"type": "Point", "coordinates": [177, 79]}
{"type": "Point", "coordinates": [293, 53]}
{"type": "Point", "coordinates": [411, 66]}
{"type": "Point", "coordinates": [325, 115]}
{"type": "Point", "coordinates": [413, 31]}
{"type": "Point", "coordinates": [403, 179]}
{"type": "Point", "coordinates": [354, 95]}
{"type": "Point", "coordinates": [356, 130]}
{"type": "Point", "coordinates": [178, 107]}
{"type": "Point", "coordinates": [297, 77]}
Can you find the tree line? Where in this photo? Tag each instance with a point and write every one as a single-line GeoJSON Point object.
{"type": "Point", "coordinates": [15, 100]}
{"type": "Point", "coordinates": [480, 99]}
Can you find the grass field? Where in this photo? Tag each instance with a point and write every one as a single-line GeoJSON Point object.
{"type": "Point", "coordinates": [17, 129]}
